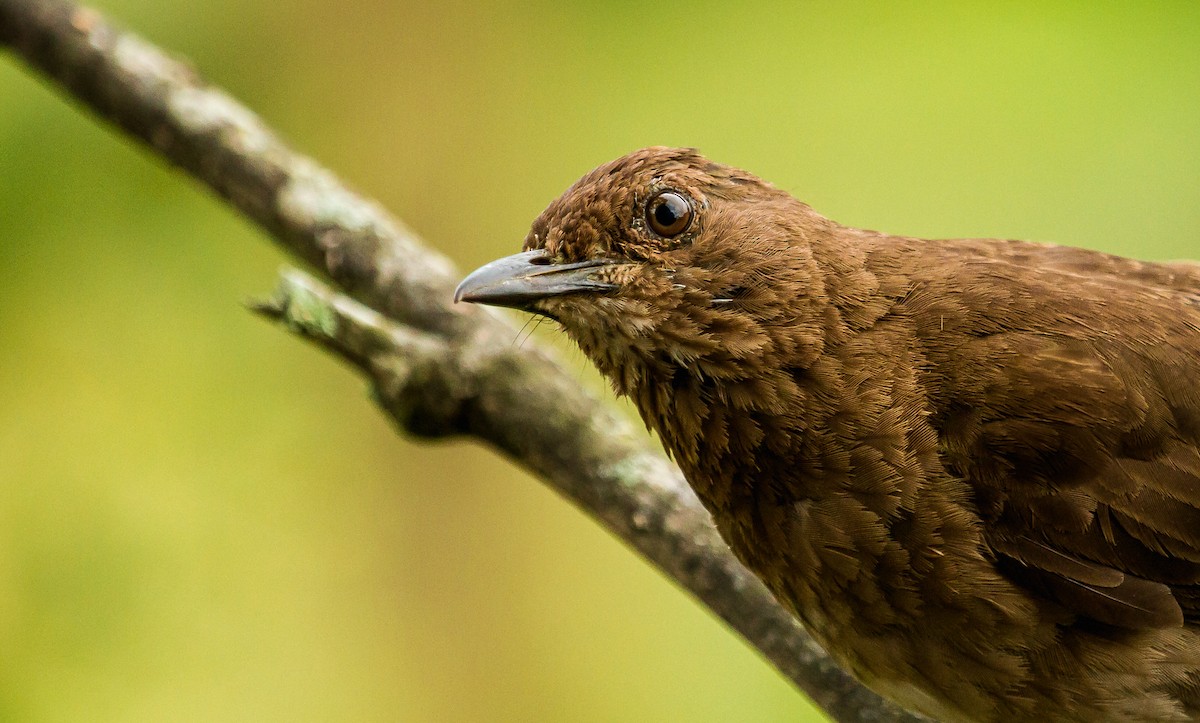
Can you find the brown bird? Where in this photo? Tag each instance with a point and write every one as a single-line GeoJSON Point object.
{"type": "Point", "coordinates": [970, 467]}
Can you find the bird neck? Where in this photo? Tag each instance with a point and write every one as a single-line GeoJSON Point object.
{"type": "Point", "coordinates": [727, 412]}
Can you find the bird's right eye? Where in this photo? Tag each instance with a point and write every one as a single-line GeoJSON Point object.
{"type": "Point", "coordinates": [669, 214]}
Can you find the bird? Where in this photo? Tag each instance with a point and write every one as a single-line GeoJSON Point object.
{"type": "Point", "coordinates": [969, 467]}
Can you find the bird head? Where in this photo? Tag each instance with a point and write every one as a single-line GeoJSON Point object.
{"type": "Point", "coordinates": [662, 260]}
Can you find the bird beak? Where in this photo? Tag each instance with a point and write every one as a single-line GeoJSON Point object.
{"type": "Point", "coordinates": [519, 280]}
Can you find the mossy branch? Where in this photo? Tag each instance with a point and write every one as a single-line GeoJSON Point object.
{"type": "Point", "coordinates": [437, 369]}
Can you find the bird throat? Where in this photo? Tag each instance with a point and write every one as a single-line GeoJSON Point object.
{"type": "Point", "coordinates": [723, 418]}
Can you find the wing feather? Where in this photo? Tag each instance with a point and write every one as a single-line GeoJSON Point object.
{"type": "Point", "coordinates": [1085, 457]}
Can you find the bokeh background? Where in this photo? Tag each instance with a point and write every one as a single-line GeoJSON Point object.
{"type": "Point", "coordinates": [202, 518]}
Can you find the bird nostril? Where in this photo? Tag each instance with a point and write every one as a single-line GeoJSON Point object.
{"type": "Point", "coordinates": [540, 260]}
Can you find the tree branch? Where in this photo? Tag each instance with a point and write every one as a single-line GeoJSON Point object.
{"type": "Point", "coordinates": [437, 370]}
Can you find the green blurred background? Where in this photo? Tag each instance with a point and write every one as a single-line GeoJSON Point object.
{"type": "Point", "coordinates": [202, 518]}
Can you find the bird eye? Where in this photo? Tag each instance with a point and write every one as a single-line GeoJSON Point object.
{"type": "Point", "coordinates": [669, 214]}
